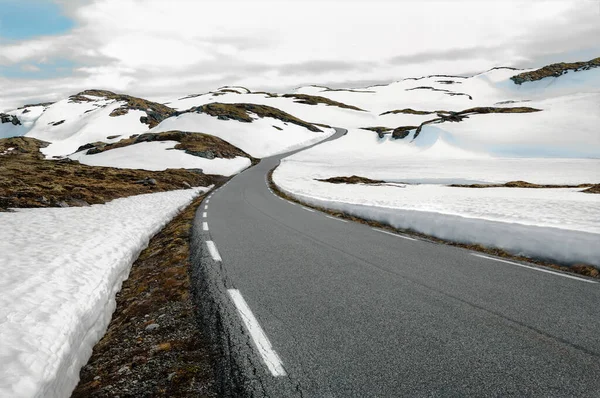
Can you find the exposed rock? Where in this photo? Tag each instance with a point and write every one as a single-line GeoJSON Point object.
{"type": "Point", "coordinates": [593, 189]}
{"type": "Point", "coordinates": [58, 123]}
{"type": "Point", "coordinates": [447, 92]}
{"type": "Point", "coordinates": [352, 180]}
{"type": "Point", "coordinates": [402, 132]}
{"type": "Point", "coordinates": [380, 130]}
{"type": "Point", "coordinates": [5, 118]}
{"type": "Point", "coordinates": [155, 112]}
{"type": "Point", "coordinates": [315, 100]}
{"type": "Point", "coordinates": [112, 137]}
{"type": "Point", "coordinates": [151, 327]}
{"type": "Point", "coordinates": [555, 70]}
{"type": "Point", "coordinates": [202, 154]}
{"type": "Point", "coordinates": [146, 181]}
{"type": "Point", "coordinates": [242, 113]}
{"type": "Point", "coordinates": [408, 111]}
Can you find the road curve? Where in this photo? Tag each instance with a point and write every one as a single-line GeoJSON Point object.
{"type": "Point", "coordinates": [338, 309]}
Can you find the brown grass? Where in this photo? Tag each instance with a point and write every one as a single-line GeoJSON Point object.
{"type": "Point", "coordinates": [407, 111]}
{"type": "Point", "coordinates": [28, 180]}
{"type": "Point", "coordinates": [241, 112]}
{"type": "Point", "coordinates": [378, 129]}
{"type": "Point", "coordinates": [520, 184]}
{"type": "Point", "coordinates": [315, 100]}
{"type": "Point", "coordinates": [582, 269]}
{"type": "Point", "coordinates": [351, 180]}
{"type": "Point", "coordinates": [593, 189]}
{"type": "Point", "coordinates": [175, 360]}
{"type": "Point", "coordinates": [555, 70]}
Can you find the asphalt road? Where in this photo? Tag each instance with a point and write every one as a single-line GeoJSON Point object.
{"type": "Point", "coordinates": [350, 311]}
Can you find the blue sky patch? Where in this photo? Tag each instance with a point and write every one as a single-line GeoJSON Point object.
{"type": "Point", "coordinates": [24, 19]}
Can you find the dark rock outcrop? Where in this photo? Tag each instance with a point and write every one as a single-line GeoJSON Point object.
{"type": "Point", "coordinates": [5, 118]}
{"type": "Point", "coordinates": [555, 70]}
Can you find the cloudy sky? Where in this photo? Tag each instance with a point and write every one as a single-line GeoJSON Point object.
{"type": "Point", "coordinates": [161, 49]}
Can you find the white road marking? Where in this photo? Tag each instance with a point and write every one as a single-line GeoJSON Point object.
{"type": "Point", "coordinates": [205, 207]}
{"type": "Point", "coordinates": [204, 215]}
{"type": "Point", "coordinates": [393, 234]}
{"type": "Point", "coordinates": [212, 249]}
{"type": "Point", "coordinates": [207, 200]}
{"type": "Point", "coordinates": [335, 218]}
{"type": "Point", "coordinates": [534, 268]}
{"type": "Point", "coordinates": [306, 208]}
{"type": "Point", "coordinates": [260, 339]}
{"type": "Point", "coordinates": [205, 226]}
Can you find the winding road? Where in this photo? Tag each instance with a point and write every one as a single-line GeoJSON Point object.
{"type": "Point", "coordinates": [314, 306]}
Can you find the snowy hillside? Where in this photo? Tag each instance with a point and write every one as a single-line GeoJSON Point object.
{"type": "Point", "coordinates": [97, 118]}
{"type": "Point", "coordinates": [550, 136]}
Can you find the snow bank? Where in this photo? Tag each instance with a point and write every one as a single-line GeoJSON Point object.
{"type": "Point", "coordinates": [61, 269]}
{"type": "Point", "coordinates": [260, 138]}
{"type": "Point", "coordinates": [27, 117]}
{"type": "Point", "coordinates": [160, 155]}
{"type": "Point", "coordinates": [553, 223]}
{"type": "Point", "coordinates": [557, 244]}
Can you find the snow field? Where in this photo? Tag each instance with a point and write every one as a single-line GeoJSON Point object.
{"type": "Point", "coordinates": [62, 268]}
{"type": "Point", "coordinates": [160, 155]}
{"type": "Point", "coordinates": [560, 224]}
{"type": "Point", "coordinates": [259, 138]}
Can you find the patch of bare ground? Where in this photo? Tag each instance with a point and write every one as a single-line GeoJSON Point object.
{"type": "Point", "coordinates": [522, 184]}
{"type": "Point", "coordinates": [155, 112]}
{"type": "Point", "coordinates": [582, 269]}
{"type": "Point", "coordinates": [450, 116]}
{"type": "Point", "coordinates": [154, 345]}
{"type": "Point", "coordinates": [407, 111]}
{"type": "Point", "coordinates": [197, 144]}
{"type": "Point", "coordinates": [242, 113]}
{"type": "Point", "coordinates": [352, 180]}
{"type": "Point", "coordinates": [315, 100]}
{"type": "Point", "coordinates": [380, 130]}
{"type": "Point", "coordinates": [29, 180]}
{"type": "Point", "coordinates": [593, 189]}
{"type": "Point", "coordinates": [555, 70]}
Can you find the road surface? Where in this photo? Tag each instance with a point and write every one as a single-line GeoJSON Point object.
{"type": "Point", "coordinates": [313, 306]}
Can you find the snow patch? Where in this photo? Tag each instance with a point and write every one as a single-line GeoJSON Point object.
{"type": "Point", "coordinates": [61, 269]}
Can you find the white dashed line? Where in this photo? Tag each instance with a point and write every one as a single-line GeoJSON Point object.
{"type": "Point", "coordinates": [533, 268]}
{"type": "Point", "coordinates": [262, 343]}
{"type": "Point", "coordinates": [307, 209]}
{"type": "Point", "coordinates": [212, 249]}
{"type": "Point", "coordinates": [205, 226]}
{"type": "Point", "coordinates": [393, 234]}
{"type": "Point", "coordinates": [337, 219]}
{"type": "Point", "coordinates": [205, 207]}
{"type": "Point", "coordinates": [204, 215]}
{"type": "Point", "coordinates": [207, 200]}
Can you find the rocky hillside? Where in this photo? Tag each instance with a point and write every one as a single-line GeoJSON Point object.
{"type": "Point", "coordinates": [29, 180]}
{"type": "Point", "coordinates": [555, 70]}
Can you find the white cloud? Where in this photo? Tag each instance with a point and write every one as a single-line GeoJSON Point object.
{"type": "Point", "coordinates": [157, 48]}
